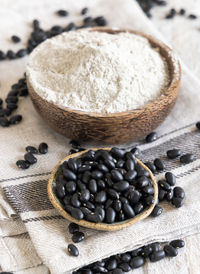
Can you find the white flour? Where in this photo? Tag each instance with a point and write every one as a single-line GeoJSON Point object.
{"type": "Point", "coordinates": [97, 72]}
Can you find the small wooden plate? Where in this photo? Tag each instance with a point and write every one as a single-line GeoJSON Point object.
{"type": "Point", "coordinates": [98, 226]}
{"type": "Point", "coordinates": [119, 127]}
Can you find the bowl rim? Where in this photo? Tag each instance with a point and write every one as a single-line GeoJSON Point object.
{"type": "Point", "coordinates": [98, 226]}
{"type": "Point", "coordinates": [175, 77]}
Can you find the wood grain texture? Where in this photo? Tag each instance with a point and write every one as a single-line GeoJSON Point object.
{"type": "Point", "coordinates": [98, 226]}
{"type": "Point", "coordinates": [118, 127]}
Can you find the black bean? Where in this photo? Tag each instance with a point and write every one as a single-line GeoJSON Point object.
{"type": "Point", "coordinates": [84, 168]}
{"type": "Point", "coordinates": [85, 210]}
{"type": "Point", "coordinates": [23, 92]}
{"type": "Point", "coordinates": [101, 184]}
{"type": "Point", "coordinates": [130, 175]}
{"type": "Point", "coordinates": [89, 205]}
{"type": "Point", "coordinates": [70, 186]}
{"type": "Point", "coordinates": [13, 93]}
{"type": "Point", "coordinates": [70, 26]}
{"type": "Point", "coordinates": [92, 185]}
{"type": "Point", "coordinates": [198, 125]}
{"type": "Point", "coordinates": [173, 153]}
{"type": "Point", "coordinates": [155, 247]}
{"type": "Point", "coordinates": [182, 12]}
{"type": "Point", "coordinates": [116, 175]}
{"type": "Point", "coordinates": [108, 203]}
{"type": "Point", "coordinates": [117, 271]}
{"type": "Point", "coordinates": [148, 190]}
{"type": "Point", "coordinates": [160, 165]}
{"type": "Point", "coordinates": [2, 55]}
{"type": "Point", "coordinates": [94, 217]}
{"type": "Point", "coordinates": [96, 174]}
{"type": "Point", "coordinates": [110, 215]}
{"type": "Point", "coordinates": [120, 163]}
{"type": "Point", "coordinates": [11, 99]}
{"type": "Point", "coordinates": [169, 16]}
{"type": "Point", "coordinates": [103, 168]}
{"type": "Point", "coordinates": [11, 55]}
{"type": "Point", "coordinates": [67, 199]}
{"type": "Point", "coordinates": [170, 178]}
{"type": "Point", "coordinates": [138, 208]}
{"type": "Point", "coordinates": [99, 269]}
{"type": "Point", "coordinates": [135, 151]}
{"type": "Point", "coordinates": [126, 257]}
{"type": "Point", "coordinates": [192, 16]}
{"type": "Point", "coordinates": [179, 192]}
{"type": "Point", "coordinates": [62, 12]}
{"type": "Point", "coordinates": [12, 106]}
{"type": "Point", "coordinates": [99, 210]}
{"type": "Point", "coordinates": [78, 237]}
{"type": "Point", "coordinates": [84, 11]}
{"type": "Point", "coordinates": [36, 24]}
{"type": "Point", "coordinates": [129, 155]}
{"type": "Point", "coordinates": [117, 205]}
{"type": "Point", "coordinates": [55, 30]}
{"type": "Point", "coordinates": [43, 148]}
{"type": "Point", "coordinates": [73, 250]}
{"type": "Point", "coordinates": [157, 256]}
{"type": "Point", "coordinates": [142, 181]}
{"type": "Point", "coordinates": [117, 152]}
{"type": "Point", "coordinates": [75, 201]}
{"type": "Point", "coordinates": [170, 251]}
{"type": "Point", "coordinates": [85, 195]}
{"type": "Point", "coordinates": [125, 267]}
{"type": "Point", "coordinates": [151, 166]}
{"type": "Point", "coordinates": [187, 158]}
{"type": "Point", "coordinates": [69, 175]}
{"type": "Point", "coordinates": [128, 210]}
{"type": "Point", "coordinates": [72, 164]}
{"type": "Point", "coordinates": [77, 213]}
{"type": "Point", "coordinates": [60, 191]}
{"type": "Point", "coordinates": [5, 112]}
{"type": "Point", "coordinates": [113, 193]}
{"type": "Point", "coordinates": [31, 149]}
{"type": "Point", "coordinates": [100, 197]}
{"type": "Point", "coordinates": [87, 20]}
{"type": "Point", "coordinates": [151, 137]}
{"type": "Point", "coordinates": [121, 186]}
{"type": "Point", "coordinates": [100, 21]}
{"type": "Point", "coordinates": [146, 251]}
{"type": "Point", "coordinates": [15, 39]}
{"type": "Point", "coordinates": [177, 243]}
{"type": "Point", "coordinates": [129, 165]}
{"type": "Point", "coordinates": [134, 197]}
{"type": "Point", "coordinates": [21, 53]}
{"type": "Point", "coordinates": [121, 216]}
{"type": "Point", "coordinates": [137, 262]}
{"type": "Point", "coordinates": [157, 211]}
{"type": "Point", "coordinates": [143, 172]}
{"type": "Point", "coordinates": [149, 200]}
{"type": "Point", "coordinates": [170, 195]}
{"type": "Point", "coordinates": [29, 157]}
{"type": "Point", "coordinates": [110, 164]}
{"type": "Point", "coordinates": [73, 228]}
{"type": "Point", "coordinates": [4, 122]}
{"type": "Point", "coordinates": [177, 202]}
{"type": "Point", "coordinates": [23, 164]}
{"type": "Point", "coordinates": [111, 264]}
{"type": "Point", "coordinates": [85, 177]}
{"type": "Point", "coordinates": [163, 184]}
{"type": "Point", "coordinates": [161, 194]}
{"type": "Point", "coordinates": [80, 185]}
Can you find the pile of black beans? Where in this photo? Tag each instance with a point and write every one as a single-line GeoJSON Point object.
{"type": "Point", "coordinates": [11, 103]}
{"type": "Point", "coordinates": [128, 261]}
{"type": "Point", "coordinates": [38, 35]}
{"type": "Point", "coordinates": [104, 186]}
{"type": "Point", "coordinates": [29, 158]}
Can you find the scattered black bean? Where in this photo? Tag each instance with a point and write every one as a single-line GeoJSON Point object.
{"type": "Point", "coordinates": [187, 158]}
{"type": "Point", "coordinates": [151, 166]}
{"type": "Point", "coordinates": [177, 243]}
{"type": "Point", "coordinates": [100, 21]}
{"type": "Point", "coordinates": [182, 12]}
{"type": "Point", "coordinates": [135, 151]}
{"type": "Point", "coordinates": [177, 202]}
{"type": "Point", "coordinates": [170, 178]}
{"type": "Point", "coordinates": [16, 119]}
{"type": "Point", "coordinates": [32, 149]}
{"type": "Point", "coordinates": [163, 184]}
{"type": "Point", "coordinates": [78, 237]}
{"type": "Point", "coordinates": [2, 55]}
{"type": "Point", "coordinates": [179, 192]}
{"type": "Point", "coordinates": [29, 157]}
{"type": "Point", "coordinates": [192, 16]}
{"type": "Point", "coordinates": [4, 122]}
{"type": "Point", "coordinates": [157, 255]}
{"type": "Point", "coordinates": [137, 262]}
{"type": "Point", "coordinates": [73, 250]}
{"type": "Point", "coordinates": [15, 39]}
{"type": "Point", "coordinates": [73, 228]}
{"type": "Point", "coordinates": [84, 11]}
{"type": "Point", "coordinates": [23, 164]}
{"type": "Point", "coordinates": [63, 13]}
{"type": "Point", "coordinates": [160, 165]}
{"type": "Point", "coordinates": [11, 55]}
{"type": "Point", "coordinates": [151, 137]}
{"type": "Point", "coordinates": [170, 251]}
{"type": "Point", "coordinates": [173, 153]}
{"type": "Point", "coordinates": [43, 148]}
{"type": "Point", "coordinates": [156, 211]}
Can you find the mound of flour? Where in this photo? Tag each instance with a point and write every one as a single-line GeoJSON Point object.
{"type": "Point", "coordinates": [97, 72]}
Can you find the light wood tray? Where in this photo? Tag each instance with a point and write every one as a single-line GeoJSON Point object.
{"type": "Point", "coordinates": [98, 226]}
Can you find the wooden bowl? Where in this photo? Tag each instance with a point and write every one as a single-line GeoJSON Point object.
{"type": "Point", "coordinates": [118, 127]}
{"type": "Point", "coordinates": [98, 226]}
